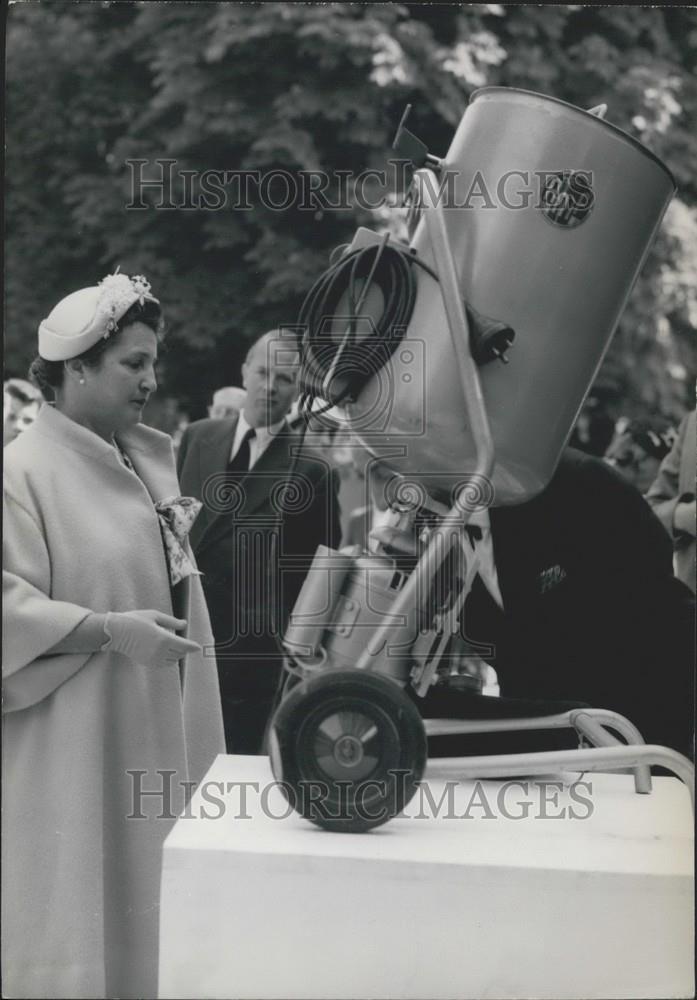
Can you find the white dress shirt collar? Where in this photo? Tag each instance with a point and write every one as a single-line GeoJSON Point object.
{"type": "Point", "coordinates": [263, 436]}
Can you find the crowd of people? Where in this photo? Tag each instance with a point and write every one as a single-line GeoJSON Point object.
{"type": "Point", "coordinates": [145, 601]}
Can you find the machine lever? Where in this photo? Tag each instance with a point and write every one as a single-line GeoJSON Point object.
{"type": "Point", "coordinates": [411, 148]}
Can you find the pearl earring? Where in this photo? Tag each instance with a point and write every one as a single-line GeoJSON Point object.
{"type": "Point", "coordinates": [82, 381]}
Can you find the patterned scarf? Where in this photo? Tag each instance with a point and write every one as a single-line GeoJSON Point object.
{"type": "Point", "coordinates": [176, 516]}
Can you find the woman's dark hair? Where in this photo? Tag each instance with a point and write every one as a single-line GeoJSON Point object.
{"type": "Point", "coordinates": [48, 375]}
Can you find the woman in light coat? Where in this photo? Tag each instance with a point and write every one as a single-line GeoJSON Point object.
{"type": "Point", "coordinates": [110, 688]}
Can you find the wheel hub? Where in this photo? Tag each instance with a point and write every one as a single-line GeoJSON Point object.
{"type": "Point", "coordinates": [347, 744]}
{"type": "Point", "coordinates": [348, 751]}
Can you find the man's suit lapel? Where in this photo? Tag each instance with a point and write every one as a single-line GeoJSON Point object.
{"type": "Point", "coordinates": [213, 457]}
{"type": "Point", "coordinates": [532, 560]}
{"type": "Point", "coordinates": [258, 485]}
{"type": "Point", "coordinates": [215, 451]}
{"type": "Point", "coordinates": [510, 535]}
{"type": "Point", "coordinates": [268, 471]}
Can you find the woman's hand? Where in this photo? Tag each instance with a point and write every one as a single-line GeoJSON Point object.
{"type": "Point", "coordinates": [147, 637]}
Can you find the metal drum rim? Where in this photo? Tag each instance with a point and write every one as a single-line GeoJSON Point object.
{"type": "Point", "coordinates": [485, 91]}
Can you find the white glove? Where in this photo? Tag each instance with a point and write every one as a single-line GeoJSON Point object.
{"type": "Point", "coordinates": [147, 637]}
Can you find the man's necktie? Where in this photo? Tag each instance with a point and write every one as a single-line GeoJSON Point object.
{"type": "Point", "coordinates": [240, 460]}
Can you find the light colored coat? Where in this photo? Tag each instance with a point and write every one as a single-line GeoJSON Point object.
{"type": "Point", "coordinates": [83, 732]}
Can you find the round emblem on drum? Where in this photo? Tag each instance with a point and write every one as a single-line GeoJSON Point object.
{"type": "Point", "coordinates": [567, 198]}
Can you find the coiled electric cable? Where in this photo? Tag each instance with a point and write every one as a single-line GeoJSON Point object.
{"type": "Point", "coordinates": [336, 366]}
{"type": "Point", "coordinates": [337, 363]}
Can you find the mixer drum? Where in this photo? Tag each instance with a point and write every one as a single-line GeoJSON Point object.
{"type": "Point", "coordinates": [550, 212]}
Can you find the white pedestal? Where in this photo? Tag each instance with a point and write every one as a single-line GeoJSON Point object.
{"type": "Point", "coordinates": [467, 904]}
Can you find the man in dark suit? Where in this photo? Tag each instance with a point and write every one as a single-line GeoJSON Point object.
{"type": "Point", "coordinates": [257, 533]}
{"type": "Point", "coordinates": [576, 601]}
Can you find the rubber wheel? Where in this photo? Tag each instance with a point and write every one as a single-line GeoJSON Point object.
{"type": "Point", "coordinates": [348, 748]}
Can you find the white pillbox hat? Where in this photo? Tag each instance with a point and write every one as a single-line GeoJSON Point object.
{"type": "Point", "coordinates": [84, 317]}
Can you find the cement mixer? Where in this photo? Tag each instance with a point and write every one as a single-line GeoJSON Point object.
{"type": "Point", "coordinates": [459, 361]}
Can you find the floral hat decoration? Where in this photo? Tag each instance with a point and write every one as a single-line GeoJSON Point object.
{"type": "Point", "coordinates": [84, 317]}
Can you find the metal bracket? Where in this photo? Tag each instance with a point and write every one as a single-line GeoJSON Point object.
{"type": "Point", "coordinates": [344, 616]}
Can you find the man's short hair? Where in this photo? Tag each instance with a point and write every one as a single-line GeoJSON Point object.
{"type": "Point", "coordinates": [280, 339]}
{"type": "Point", "coordinates": [22, 390]}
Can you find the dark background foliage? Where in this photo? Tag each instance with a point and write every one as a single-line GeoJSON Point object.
{"type": "Point", "coordinates": [309, 87]}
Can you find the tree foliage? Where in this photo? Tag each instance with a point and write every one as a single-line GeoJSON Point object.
{"type": "Point", "coordinates": [307, 87]}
